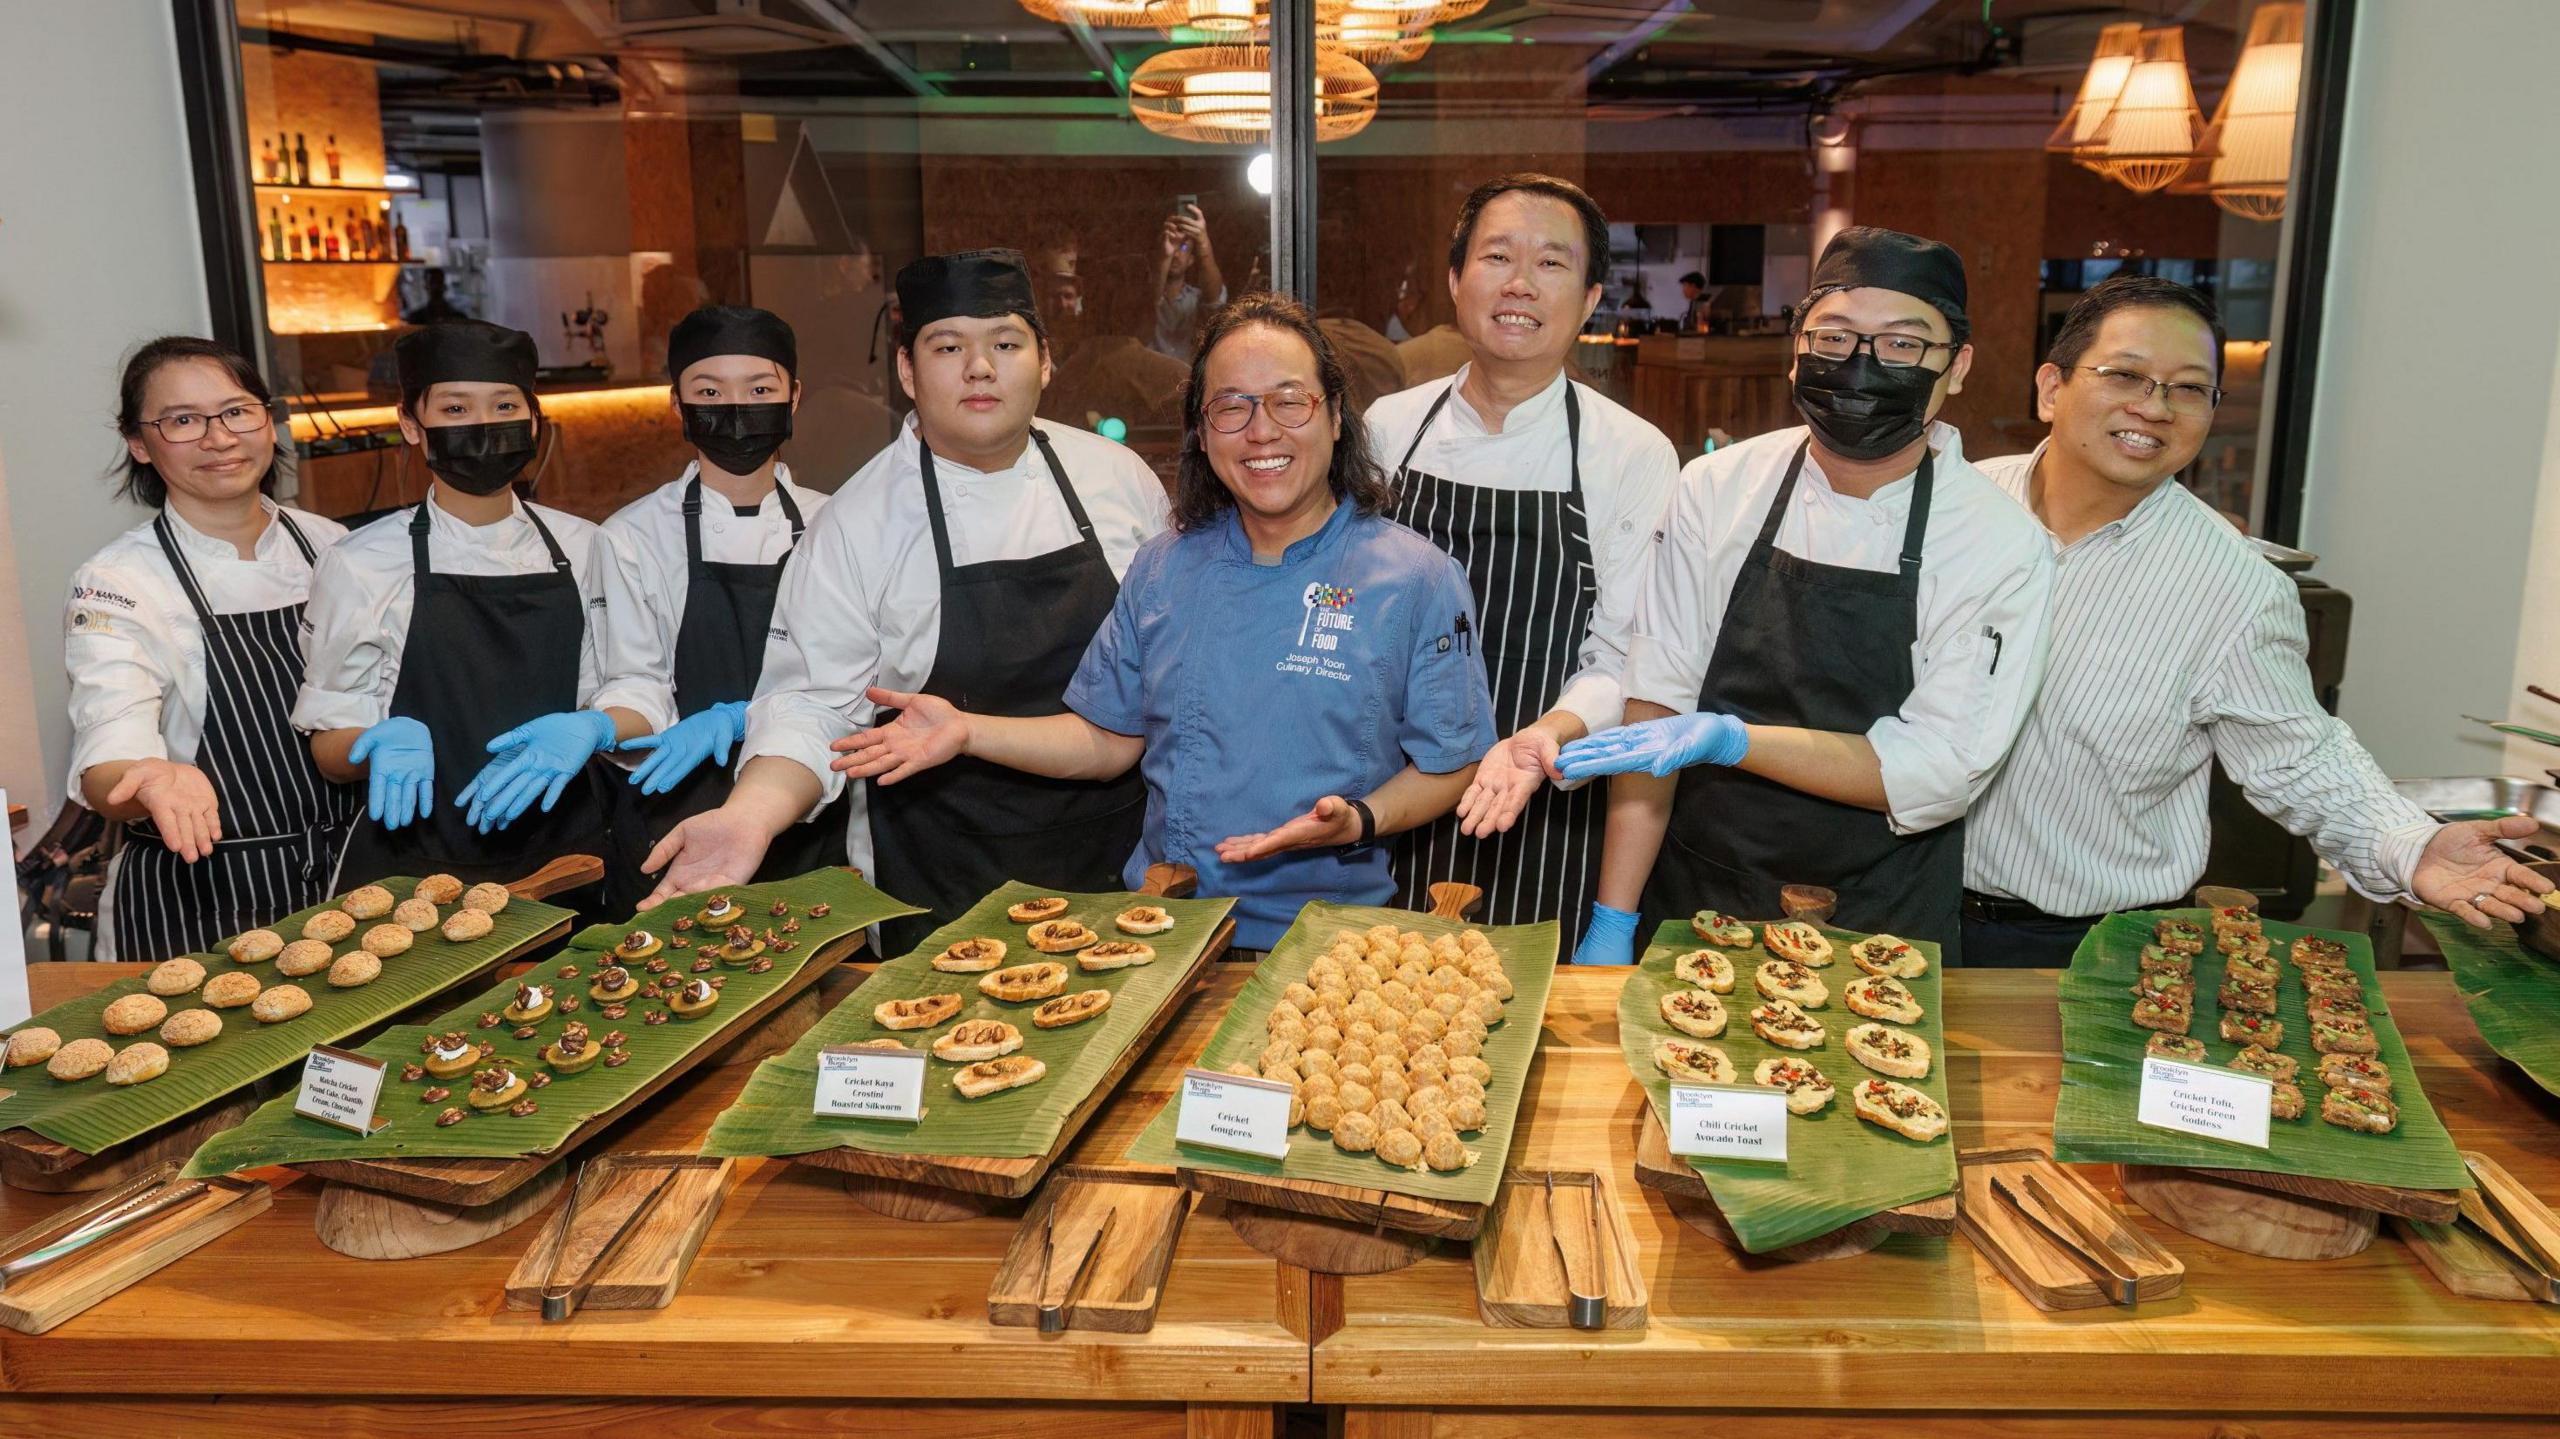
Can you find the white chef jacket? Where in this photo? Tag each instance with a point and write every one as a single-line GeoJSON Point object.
{"type": "Point", "coordinates": [861, 601]}
{"type": "Point", "coordinates": [1986, 586]}
{"type": "Point", "coordinates": [2174, 642]}
{"type": "Point", "coordinates": [133, 647]}
{"type": "Point", "coordinates": [357, 625]}
{"type": "Point", "coordinates": [1628, 471]}
{"type": "Point", "coordinates": [645, 581]}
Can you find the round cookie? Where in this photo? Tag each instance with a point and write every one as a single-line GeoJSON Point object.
{"type": "Point", "coordinates": [260, 945]}
{"type": "Point", "coordinates": [328, 926]}
{"type": "Point", "coordinates": [32, 1045]}
{"type": "Point", "coordinates": [190, 1027]}
{"type": "Point", "coordinates": [467, 924]}
{"type": "Point", "coordinates": [136, 1063]}
{"type": "Point", "coordinates": [175, 977]}
{"type": "Point", "coordinates": [279, 1003]}
{"type": "Point", "coordinates": [80, 1059]}
{"type": "Point", "coordinates": [133, 1014]}
{"type": "Point", "coordinates": [230, 991]}
{"type": "Point", "coordinates": [418, 914]}
{"type": "Point", "coordinates": [370, 902]}
{"type": "Point", "coordinates": [385, 940]}
{"type": "Point", "coordinates": [438, 889]}
{"type": "Point", "coordinates": [354, 968]}
{"type": "Point", "coordinates": [303, 956]}
{"type": "Point", "coordinates": [486, 897]}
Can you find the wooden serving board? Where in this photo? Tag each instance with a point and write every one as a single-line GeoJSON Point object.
{"type": "Point", "coordinates": [1685, 1189]}
{"type": "Point", "coordinates": [2467, 1261]}
{"type": "Point", "coordinates": [2241, 1211]}
{"type": "Point", "coordinates": [903, 1186]}
{"type": "Point", "coordinates": [1120, 1291]}
{"type": "Point", "coordinates": [471, 1183]}
{"type": "Point", "coordinates": [1520, 1273]}
{"type": "Point", "coordinates": [28, 1160]}
{"type": "Point", "coordinates": [2048, 1277]}
{"type": "Point", "coordinates": [78, 1281]}
{"type": "Point", "coordinates": [649, 1267]}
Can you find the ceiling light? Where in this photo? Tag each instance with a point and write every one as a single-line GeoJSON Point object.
{"type": "Point", "coordinates": [2104, 80]}
{"type": "Point", "coordinates": [2148, 137]}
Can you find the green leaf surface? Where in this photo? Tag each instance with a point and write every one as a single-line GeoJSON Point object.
{"type": "Point", "coordinates": [2513, 993]}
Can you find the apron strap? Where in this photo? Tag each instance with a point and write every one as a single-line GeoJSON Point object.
{"type": "Point", "coordinates": [942, 527]}
{"type": "Point", "coordinates": [1778, 505]}
{"type": "Point", "coordinates": [301, 542]}
{"type": "Point", "coordinates": [1916, 528]}
{"type": "Point", "coordinates": [1572, 435]}
{"type": "Point", "coordinates": [1424, 428]}
{"type": "Point", "coordinates": [693, 519]}
{"type": "Point", "coordinates": [1066, 491]}
{"type": "Point", "coordinates": [419, 568]}
{"type": "Point", "coordinates": [559, 560]}
{"type": "Point", "coordinates": [178, 562]}
{"type": "Point", "coordinates": [790, 509]}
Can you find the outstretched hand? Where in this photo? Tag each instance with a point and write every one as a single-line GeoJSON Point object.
{"type": "Point", "coordinates": [1506, 779]}
{"type": "Point", "coordinates": [1332, 822]}
{"type": "Point", "coordinates": [2464, 872]}
{"type": "Point", "coordinates": [928, 731]}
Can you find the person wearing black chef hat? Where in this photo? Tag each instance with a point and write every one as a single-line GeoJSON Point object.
{"type": "Point", "coordinates": [448, 651]}
{"type": "Point", "coordinates": [689, 588]}
{"type": "Point", "coordinates": [972, 559]}
{"type": "Point", "coordinates": [1840, 634]}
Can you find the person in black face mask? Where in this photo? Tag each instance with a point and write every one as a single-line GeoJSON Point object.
{"type": "Point", "coordinates": [694, 567]}
{"type": "Point", "coordinates": [1840, 635]}
{"type": "Point", "coordinates": [448, 650]}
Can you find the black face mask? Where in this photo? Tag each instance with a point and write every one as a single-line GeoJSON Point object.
{"type": "Point", "coordinates": [737, 438]}
{"type": "Point", "coordinates": [480, 459]}
{"type": "Point", "coordinates": [1862, 410]}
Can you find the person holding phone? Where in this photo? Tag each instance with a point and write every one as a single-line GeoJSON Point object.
{"type": "Point", "coordinates": [1188, 281]}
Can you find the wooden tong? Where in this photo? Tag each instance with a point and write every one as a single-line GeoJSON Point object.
{"type": "Point", "coordinates": [1053, 1297]}
{"type": "Point", "coordinates": [2087, 1248]}
{"type": "Point", "coordinates": [121, 1208]}
{"type": "Point", "coordinates": [2487, 1211]}
{"type": "Point", "coordinates": [560, 1300]}
{"type": "Point", "coordinates": [1578, 1250]}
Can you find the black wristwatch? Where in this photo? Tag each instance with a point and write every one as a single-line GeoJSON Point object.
{"type": "Point", "coordinates": [1368, 823]}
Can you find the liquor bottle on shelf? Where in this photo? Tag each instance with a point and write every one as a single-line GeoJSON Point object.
{"type": "Point", "coordinates": [359, 236]}
{"type": "Point", "coordinates": [400, 236]}
{"type": "Point", "coordinates": [292, 244]}
{"type": "Point", "coordinates": [267, 160]}
{"type": "Point", "coordinates": [301, 161]}
{"type": "Point", "coordinates": [329, 245]}
{"type": "Point", "coordinates": [311, 233]}
{"type": "Point", "coordinates": [275, 234]}
{"type": "Point", "coordinates": [331, 155]}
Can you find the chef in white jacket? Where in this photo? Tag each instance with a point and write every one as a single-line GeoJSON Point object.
{"type": "Point", "coordinates": [972, 559]}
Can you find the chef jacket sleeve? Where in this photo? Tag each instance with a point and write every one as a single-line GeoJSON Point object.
{"type": "Point", "coordinates": [1621, 543]}
{"type": "Point", "coordinates": [348, 669]}
{"type": "Point", "coordinates": [1110, 686]}
{"type": "Point", "coordinates": [637, 641]}
{"type": "Point", "coordinates": [1447, 714]}
{"type": "Point", "coordinates": [821, 651]}
{"type": "Point", "coordinates": [119, 651]}
{"type": "Point", "coordinates": [1673, 634]}
{"type": "Point", "coordinates": [1972, 689]}
{"type": "Point", "coordinates": [2300, 765]}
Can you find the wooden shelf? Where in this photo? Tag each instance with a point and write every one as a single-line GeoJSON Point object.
{"type": "Point", "coordinates": [337, 262]}
{"type": "Point", "coordinates": [281, 185]}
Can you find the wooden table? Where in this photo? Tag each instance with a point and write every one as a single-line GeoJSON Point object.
{"type": "Point", "coordinates": [804, 1313]}
{"type": "Point", "coordinates": [2359, 1347]}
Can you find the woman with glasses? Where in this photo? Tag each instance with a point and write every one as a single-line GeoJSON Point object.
{"type": "Point", "coordinates": [1841, 634]}
{"type": "Point", "coordinates": [182, 647]}
{"type": "Point", "coordinates": [970, 562]}
{"type": "Point", "coordinates": [1294, 675]}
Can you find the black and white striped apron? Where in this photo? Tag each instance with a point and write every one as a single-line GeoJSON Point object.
{"type": "Point", "coordinates": [282, 822]}
{"type": "Point", "coordinates": [1527, 554]}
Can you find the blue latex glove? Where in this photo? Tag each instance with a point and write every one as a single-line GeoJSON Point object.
{"type": "Point", "coordinates": [684, 745]}
{"type": "Point", "coordinates": [400, 762]}
{"type": "Point", "coordinates": [537, 757]}
{"type": "Point", "coordinates": [1660, 746]}
{"type": "Point", "coordinates": [1609, 937]}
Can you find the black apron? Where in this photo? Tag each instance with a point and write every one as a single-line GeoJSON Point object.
{"type": "Point", "coordinates": [484, 654]}
{"type": "Point", "coordinates": [1527, 554]}
{"type": "Point", "coordinates": [1013, 632]}
{"type": "Point", "coordinates": [719, 656]}
{"type": "Point", "coordinates": [1820, 647]}
{"type": "Point", "coordinates": [282, 821]}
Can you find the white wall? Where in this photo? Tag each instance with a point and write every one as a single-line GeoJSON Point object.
{"type": "Point", "coordinates": [98, 251]}
{"type": "Point", "coordinates": [2434, 489]}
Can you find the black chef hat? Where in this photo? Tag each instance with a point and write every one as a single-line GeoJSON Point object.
{"type": "Point", "coordinates": [978, 284]}
{"type": "Point", "coordinates": [731, 330]}
{"type": "Point", "coordinates": [473, 350]}
{"type": "Point", "coordinates": [1864, 257]}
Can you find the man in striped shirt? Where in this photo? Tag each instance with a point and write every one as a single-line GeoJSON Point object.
{"type": "Point", "coordinates": [2173, 643]}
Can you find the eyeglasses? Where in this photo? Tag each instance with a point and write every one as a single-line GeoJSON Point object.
{"type": "Point", "coordinates": [2128, 387]}
{"type": "Point", "coordinates": [1288, 409]}
{"type": "Point", "coordinates": [189, 429]}
{"type": "Point", "coordinates": [1894, 352]}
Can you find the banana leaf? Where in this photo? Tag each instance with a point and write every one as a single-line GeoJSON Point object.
{"type": "Point", "coordinates": [774, 1115]}
{"type": "Point", "coordinates": [1528, 953]}
{"type": "Point", "coordinates": [2102, 1053]}
{"type": "Point", "coordinates": [1839, 1168]}
{"type": "Point", "coordinates": [277, 1135]}
{"type": "Point", "coordinates": [89, 1115]}
{"type": "Point", "coordinates": [2513, 993]}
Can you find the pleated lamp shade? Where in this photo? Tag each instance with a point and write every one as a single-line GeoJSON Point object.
{"type": "Point", "coordinates": [2104, 80]}
{"type": "Point", "coordinates": [1221, 94]}
{"type": "Point", "coordinates": [2148, 137]}
{"type": "Point", "coordinates": [2245, 161]}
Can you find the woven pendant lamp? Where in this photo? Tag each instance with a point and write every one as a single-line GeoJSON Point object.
{"type": "Point", "coordinates": [1098, 14]}
{"type": "Point", "coordinates": [2148, 138]}
{"type": "Point", "coordinates": [1221, 94]}
{"type": "Point", "coordinates": [1373, 35]}
{"type": "Point", "coordinates": [2104, 80]}
{"type": "Point", "coordinates": [2245, 160]}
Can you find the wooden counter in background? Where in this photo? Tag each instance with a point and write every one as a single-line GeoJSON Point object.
{"type": "Point", "coordinates": [804, 1313]}
{"type": "Point", "coordinates": [609, 445]}
{"type": "Point", "coordinates": [1688, 385]}
{"type": "Point", "coordinates": [2357, 1347]}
